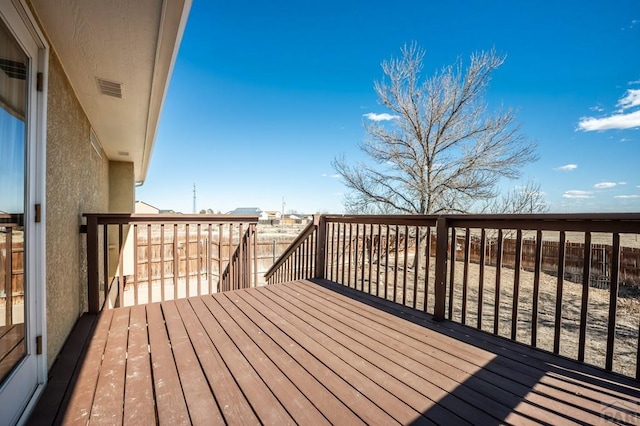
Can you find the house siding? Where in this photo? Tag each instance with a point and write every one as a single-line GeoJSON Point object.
{"type": "Point", "coordinates": [77, 183]}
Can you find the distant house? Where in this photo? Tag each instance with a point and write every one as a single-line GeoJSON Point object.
{"type": "Point", "coordinates": [246, 211]}
{"type": "Point", "coordinates": [270, 217]}
{"type": "Point", "coordinates": [145, 208]}
{"type": "Point", "coordinates": [292, 219]}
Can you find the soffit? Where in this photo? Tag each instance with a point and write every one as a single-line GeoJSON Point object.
{"type": "Point", "coordinates": [118, 45]}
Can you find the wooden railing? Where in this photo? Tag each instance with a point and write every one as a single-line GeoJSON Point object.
{"type": "Point", "coordinates": [243, 266]}
{"type": "Point", "coordinates": [566, 283]}
{"type": "Point", "coordinates": [135, 258]}
{"type": "Point", "coordinates": [300, 259]}
{"type": "Point", "coordinates": [11, 270]}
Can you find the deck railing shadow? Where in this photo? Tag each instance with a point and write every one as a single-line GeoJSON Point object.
{"type": "Point", "coordinates": [514, 372]}
{"type": "Point", "coordinates": [457, 268]}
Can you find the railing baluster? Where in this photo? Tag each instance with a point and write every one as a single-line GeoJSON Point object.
{"type": "Point", "coordinates": [378, 249]}
{"type": "Point", "coordinates": [405, 266]}
{"type": "Point", "coordinates": [188, 258]}
{"type": "Point", "coordinates": [8, 274]}
{"type": "Point", "coordinates": [349, 264]}
{"type": "Point", "coordinates": [416, 267]}
{"type": "Point", "coordinates": [333, 250]}
{"type": "Point", "coordinates": [209, 254]}
{"type": "Point", "coordinates": [483, 249]}
{"type": "Point", "coordinates": [452, 270]}
{"type": "Point", "coordinates": [364, 256]}
{"type": "Point", "coordinates": [536, 290]}
{"type": "Point", "coordinates": [162, 296]}
{"type": "Point", "coordinates": [559, 289]}
{"type": "Point", "coordinates": [149, 264]}
{"type": "Point", "coordinates": [120, 266]}
{"type": "Point", "coordinates": [344, 250]}
{"type": "Point", "coordinates": [586, 273]}
{"type": "Point", "coordinates": [440, 286]}
{"type": "Point", "coordinates": [355, 257]}
{"type": "Point", "coordinates": [427, 266]}
{"type": "Point", "coordinates": [496, 299]}
{"type": "Point", "coordinates": [175, 261]}
{"type": "Point", "coordinates": [516, 286]}
{"type": "Point", "coordinates": [386, 262]}
{"type": "Point", "coordinates": [135, 264]}
{"type": "Point", "coordinates": [395, 263]}
{"type": "Point", "coordinates": [370, 253]}
{"type": "Point", "coordinates": [613, 300]}
{"type": "Point", "coordinates": [465, 274]}
{"type": "Point", "coordinates": [199, 258]}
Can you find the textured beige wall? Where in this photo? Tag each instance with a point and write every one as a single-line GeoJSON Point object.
{"type": "Point", "coordinates": [121, 200]}
{"type": "Point", "coordinates": [121, 187]}
{"type": "Point", "coordinates": [77, 182]}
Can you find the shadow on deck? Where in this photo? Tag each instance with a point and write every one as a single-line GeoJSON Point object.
{"type": "Point", "coordinates": [314, 352]}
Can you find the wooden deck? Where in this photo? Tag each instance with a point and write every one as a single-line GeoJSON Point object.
{"type": "Point", "coordinates": [316, 353]}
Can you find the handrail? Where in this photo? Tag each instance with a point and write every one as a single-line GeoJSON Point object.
{"type": "Point", "coordinates": [494, 272]}
{"type": "Point", "coordinates": [295, 244]}
{"type": "Point", "coordinates": [241, 271]}
{"type": "Point", "coordinates": [181, 254]}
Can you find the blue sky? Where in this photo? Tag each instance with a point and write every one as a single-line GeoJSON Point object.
{"type": "Point", "coordinates": [265, 94]}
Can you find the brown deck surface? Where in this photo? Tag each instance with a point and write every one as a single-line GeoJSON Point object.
{"type": "Point", "coordinates": [317, 353]}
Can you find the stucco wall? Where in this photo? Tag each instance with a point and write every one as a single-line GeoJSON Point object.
{"type": "Point", "coordinates": [77, 182]}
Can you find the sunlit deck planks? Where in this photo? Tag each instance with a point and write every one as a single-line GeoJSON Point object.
{"type": "Point", "coordinates": [315, 352]}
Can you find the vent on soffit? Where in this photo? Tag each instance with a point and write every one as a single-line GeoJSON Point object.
{"type": "Point", "coordinates": [109, 88]}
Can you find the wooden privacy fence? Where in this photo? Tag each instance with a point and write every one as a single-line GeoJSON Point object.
{"type": "Point", "coordinates": [515, 276]}
{"type": "Point", "coordinates": [133, 258]}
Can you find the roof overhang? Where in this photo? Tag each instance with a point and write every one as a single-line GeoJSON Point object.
{"type": "Point", "coordinates": [112, 47]}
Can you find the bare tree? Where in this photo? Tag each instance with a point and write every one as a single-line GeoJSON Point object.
{"type": "Point", "coordinates": [441, 151]}
{"type": "Point", "coordinates": [527, 198]}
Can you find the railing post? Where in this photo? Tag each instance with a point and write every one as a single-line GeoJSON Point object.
{"type": "Point", "coordinates": [321, 245]}
{"type": "Point", "coordinates": [93, 277]}
{"type": "Point", "coordinates": [442, 242]}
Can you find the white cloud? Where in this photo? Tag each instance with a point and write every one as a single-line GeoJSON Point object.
{"type": "Point", "coordinates": [334, 176]}
{"type": "Point", "coordinates": [597, 108]}
{"type": "Point", "coordinates": [574, 193]}
{"type": "Point", "coordinates": [620, 120]}
{"type": "Point", "coordinates": [603, 185]}
{"type": "Point", "coordinates": [627, 196]}
{"type": "Point", "coordinates": [567, 167]}
{"type": "Point", "coordinates": [634, 82]}
{"type": "Point", "coordinates": [616, 121]}
{"type": "Point", "coordinates": [622, 183]}
{"type": "Point", "coordinates": [380, 117]}
{"type": "Point", "coordinates": [630, 100]}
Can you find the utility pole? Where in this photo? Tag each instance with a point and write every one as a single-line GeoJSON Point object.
{"type": "Point", "coordinates": [282, 216]}
{"type": "Point", "coordinates": [194, 198]}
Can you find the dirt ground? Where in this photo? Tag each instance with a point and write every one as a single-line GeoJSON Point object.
{"type": "Point", "coordinates": [627, 315]}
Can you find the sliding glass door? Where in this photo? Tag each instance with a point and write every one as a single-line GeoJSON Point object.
{"type": "Point", "coordinates": [22, 363]}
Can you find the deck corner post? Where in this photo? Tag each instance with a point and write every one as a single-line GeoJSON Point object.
{"type": "Point", "coordinates": [320, 222]}
{"type": "Point", "coordinates": [93, 292]}
{"type": "Point", "coordinates": [442, 242]}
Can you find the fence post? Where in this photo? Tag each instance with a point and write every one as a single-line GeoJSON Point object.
{"type": "Point", "coordinates": [93, 278]}
{"type": "Point", "coordinates": [321, 241]}
{"type": "Point", "coordinates": [442, 242]}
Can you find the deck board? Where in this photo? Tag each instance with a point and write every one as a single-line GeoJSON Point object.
{"type": "Point", "coordinates": [482, 391]}
{"type": "Point", "coordinates": [170, 403]}
{"type": "Point", "coordinates": [315, 352]}
{"type": "Point", "coordinates": [138, 401]}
